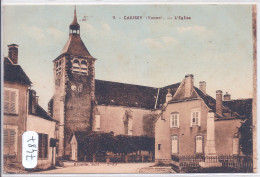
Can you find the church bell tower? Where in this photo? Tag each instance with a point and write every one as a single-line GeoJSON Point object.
{"type": "Point", "coordinates": [74, 75]}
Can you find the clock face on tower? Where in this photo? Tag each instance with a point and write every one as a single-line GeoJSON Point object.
{"type": "Point", "coordinates": [73, 87]}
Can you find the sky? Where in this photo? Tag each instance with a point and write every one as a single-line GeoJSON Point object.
{"type": "Point", "coordinates": [214, 44]}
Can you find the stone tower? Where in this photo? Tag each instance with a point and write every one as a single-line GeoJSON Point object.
{"type": "Point", "coordinates": [74, 95]}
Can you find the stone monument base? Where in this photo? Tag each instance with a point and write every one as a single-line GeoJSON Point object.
{"type": "Point", "coordinates": [210, 164]}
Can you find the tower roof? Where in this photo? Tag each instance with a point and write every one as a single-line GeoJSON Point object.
{"type": "Point", "coordinates": [75, 46]}
{"type": "Point", "coordinates": [75, 21]}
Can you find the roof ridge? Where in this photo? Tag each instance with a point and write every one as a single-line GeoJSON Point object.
{"type": "Point", "coordinates": [127, 84]}
{"type": "Point", "coordinates": [238, 99]}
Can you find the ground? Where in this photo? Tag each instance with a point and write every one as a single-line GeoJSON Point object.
{"type": "Point", "coordinates": [102, 168]}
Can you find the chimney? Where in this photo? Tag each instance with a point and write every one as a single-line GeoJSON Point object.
{"type": "Point", "coordinates": [13, 53]}
{"type": "Point", "coordinates": [168, 96]}
{"type": "Point", "coordinates": [203, 86]}
{"type": "Point", "coordinates": [227, 97]}
{"type": "Point", "coordinates": [188, 85]}
{"type": "Point", "coordinates": [33, 101]}
{"type": "Point", "coordinates": [219, 102]}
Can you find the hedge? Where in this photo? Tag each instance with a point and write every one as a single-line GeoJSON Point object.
{"type": "Point", "coordinates": [101, 143]}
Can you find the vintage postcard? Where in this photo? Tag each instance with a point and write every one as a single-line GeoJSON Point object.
{"type": "Point", "coordinates": [148, 88]}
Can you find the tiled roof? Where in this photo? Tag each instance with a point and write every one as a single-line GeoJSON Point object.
{"type": "Point", "coordinates": [180, 95]}
{"type": "Point", "coordinates": [242, 106]}
{"type": "Point", "coordinates": [75, 46]}
{"type": "Point", "coordinates": [121, 94]}
{"type": "Point", "coordinates": [14, 73]}
{"type": "Point", "coordinates": [163, 92]}
{"type": "Point", "coordinates": [80, 136]}
{"type": "Point", "coordinates": [83, 136]}
{"type": "Point", "coordinates": [211, 103]}
{"type": "Point", "coordinates": [39, 111]}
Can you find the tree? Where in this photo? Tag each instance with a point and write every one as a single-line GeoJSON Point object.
{"type": "Point", "coordinates": [246, 139]}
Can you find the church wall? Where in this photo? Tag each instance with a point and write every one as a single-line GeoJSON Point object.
{"type": "Point", "coordinates": [111, 119]}
{"type": "Point", "coordinates": [58, 100]}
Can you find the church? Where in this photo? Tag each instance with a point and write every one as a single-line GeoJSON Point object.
{"type": "Point", "coordinates": [179, 116]}
{"type": "Point", "coordinates": [83, 104]}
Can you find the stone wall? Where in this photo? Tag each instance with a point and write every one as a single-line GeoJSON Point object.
{"type": "Point", "coordinates": [58, 102]}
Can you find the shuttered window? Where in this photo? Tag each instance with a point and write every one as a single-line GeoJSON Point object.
{"type": "Point", "coordinates": [9, 141]}
{"type": "Point", "coordinates": [195, 117]}
{"type": "Point", "coordinates": [10, 101]}
{"type": "Point", "coordinates": [174, 120]}
{"type": "Point", "coordinates": [43, 145]}
{"type": "Point", "coordinates": [175, 144]}
{"type": "Point", "coordinates": [199, 144]}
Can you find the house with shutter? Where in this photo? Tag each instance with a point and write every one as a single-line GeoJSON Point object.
{"type": "Point", "coordinates": [192, 123]}
{"type": "Point", "coordinates": [21, 113]}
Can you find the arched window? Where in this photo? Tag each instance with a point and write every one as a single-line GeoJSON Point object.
{"type": "Point", "coordinates": [84, 67]}
{"type": "Point", "coordinates": [75, 65]}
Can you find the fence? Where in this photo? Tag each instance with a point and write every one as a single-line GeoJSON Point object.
{"type": "Point", "coordinates": [238, 162]}
{"type": "Point", "coordinates": [118, 158]}
{"type": "Point", "coordinates": [241, 162]}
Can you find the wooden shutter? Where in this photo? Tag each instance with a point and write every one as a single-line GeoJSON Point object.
{"type": "Point", "coordinates": [198, 144]}
{"type": "Point", "coordinates": [199, 118]}
{"type": "Point", "coordinates": [40, 146]}
{"type": "Point", "coordinates": [13, 102]}
{"type": "Point", "coordinates": [6, 137]}
{"type": "Point", "coordinates": [174, 144]}
{"type": "Point", "coordinates": [9, 141]}
{"type": "Point", "coordinates": [178, 120]}
{"type": "Point", "coordinates": [45, 146]}
{"type": "Point", "coordinates": [6, 100]}
{"type": "Point", "coordinates": [12, 141]}
{"type": "Point", "coordinates": [171, 120]}
{"type": "Point", "coordinates": [10, 101]}
{"type": "Point", "coordinates": [191, 119]}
